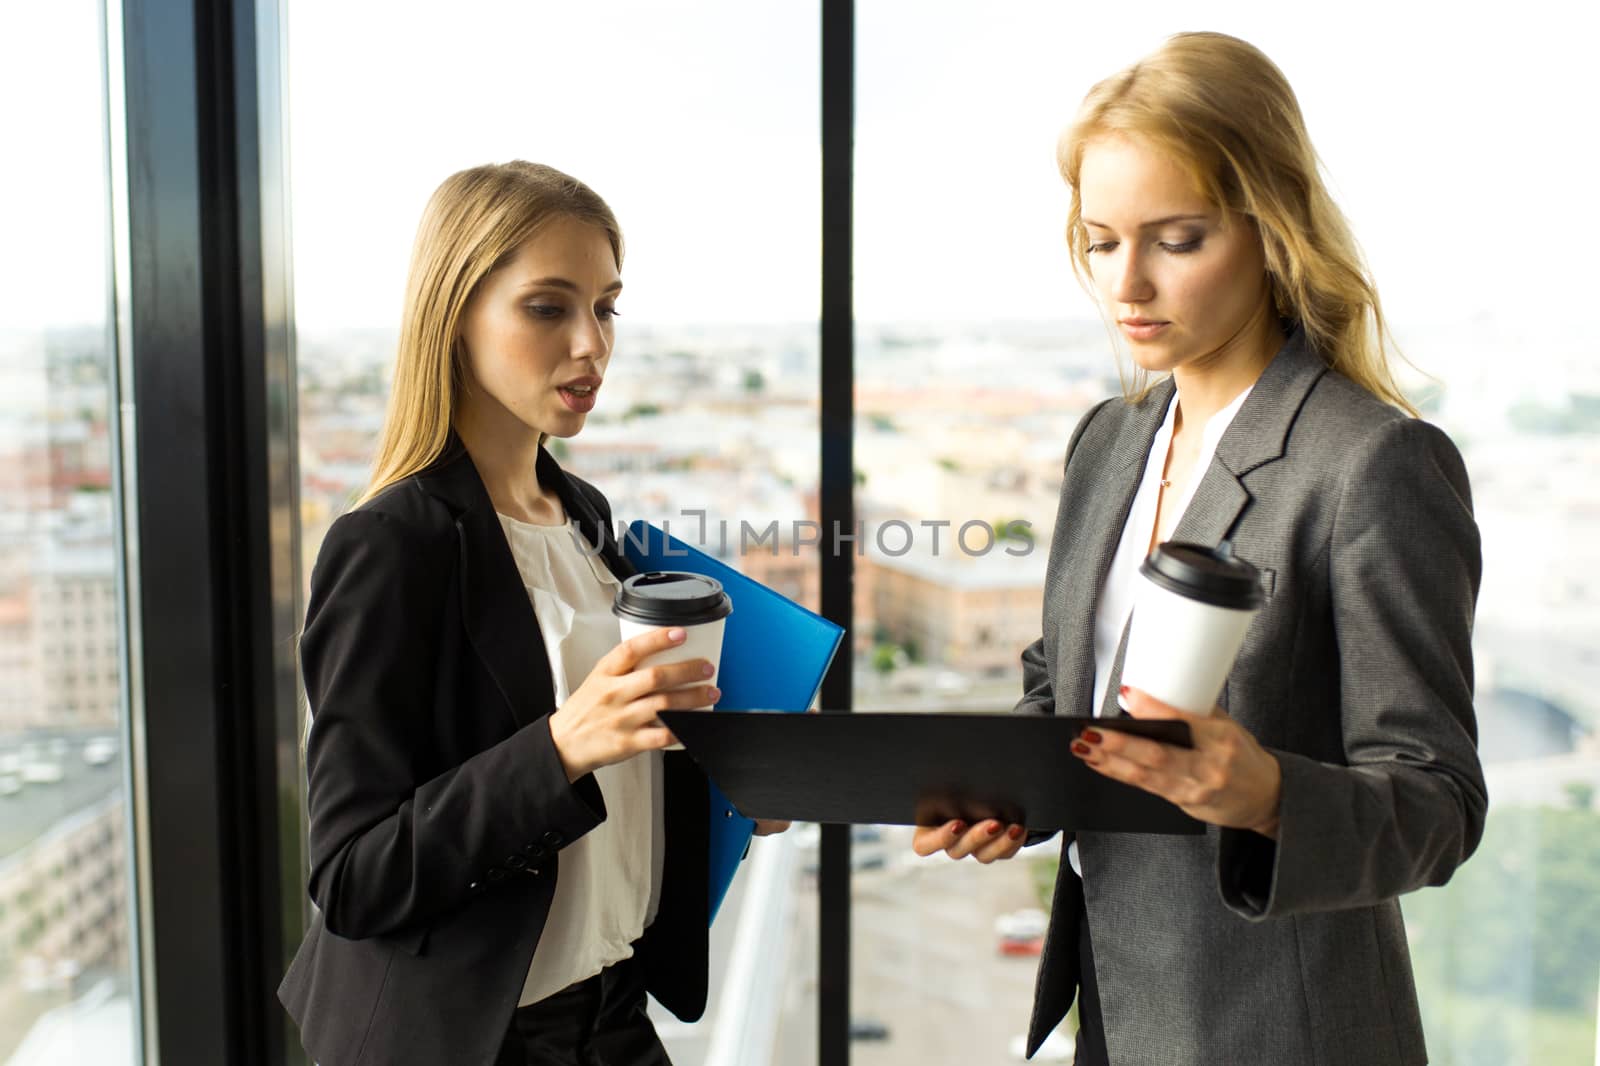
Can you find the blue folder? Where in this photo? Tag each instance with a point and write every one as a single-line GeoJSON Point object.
{"type": "Point", "coordinates": [774, 656]}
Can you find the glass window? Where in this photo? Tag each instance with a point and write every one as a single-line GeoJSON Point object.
{"type": "Point", "coordinates": [699, 125]}
{"type": "Point", "coordinates": [66, 968]}
{"type": "Point", "coordinates": [977, 352]}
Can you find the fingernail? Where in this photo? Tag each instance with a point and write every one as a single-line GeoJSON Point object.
{"type": "Point", "coordinates": [958, 828]}
{"type": "Point", "coordinates": [1080, 748]}
{"type": "Point", "coordinates": [707, 670]}
{"type": "Point", "coordinates": [1015, 832]}
{"type": "Point", "coordinates": [716, 694]}
{"type": "Point", "coordinates": [1123, 690]}
{"type": "Point", "coordinates": [994, 829]}
{"type": "Point", "coordinates": [675, 635]}
{"type": "Point", "coordinates": [1092, 736]}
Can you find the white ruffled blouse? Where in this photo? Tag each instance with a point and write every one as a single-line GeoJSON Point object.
{"type": "Point", "coordinates": [609, 884]}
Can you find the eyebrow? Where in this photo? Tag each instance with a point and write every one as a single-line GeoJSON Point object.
{"type": "Point", "coordinates": [1154, 222]}
{"type": "Point", "coordinates": [563, 283]}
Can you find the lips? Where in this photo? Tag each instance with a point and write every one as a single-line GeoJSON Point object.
{"type": "Point", "coordinates": [1142, 329]}
{"type": "Point", "coordinates": [579, 393]}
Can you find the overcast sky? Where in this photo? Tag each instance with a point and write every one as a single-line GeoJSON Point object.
{"type": "Point", "coordinates": [1461, 150]}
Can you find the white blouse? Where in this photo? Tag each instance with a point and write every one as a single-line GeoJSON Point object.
{"type": "Point", "coordinates": [609, 884]}
{"type": "Point", "coordinates": [1116, 597]}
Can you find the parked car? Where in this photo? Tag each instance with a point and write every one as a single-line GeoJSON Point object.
{"type": "Point", "coordinates": [99, 751]}
{"type": "Point", "coordinates": [1022, 932]}
{"type": "Point", "coordinates": [41, 772]}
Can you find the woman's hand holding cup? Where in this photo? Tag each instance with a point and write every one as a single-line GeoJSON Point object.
{"type": "Point", "coordinates": [987, 841]}
{"type": "Point", "coordinates": [612, 715]}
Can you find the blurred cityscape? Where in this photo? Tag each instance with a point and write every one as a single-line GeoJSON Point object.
{"type": "Point", "coordinates": [713, 432]}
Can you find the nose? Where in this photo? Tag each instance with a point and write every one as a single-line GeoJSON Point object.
{"type": "Point", "coordinates": [1130, 282]}
{"type": "Point", "coordinates": [590, 339]}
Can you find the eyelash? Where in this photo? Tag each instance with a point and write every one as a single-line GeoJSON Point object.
{"type": "Point", "coordinates": [1176, 249]}
{"type": "Point", "coordinates": [551, 311]}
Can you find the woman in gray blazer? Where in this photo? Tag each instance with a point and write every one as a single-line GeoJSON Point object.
{"type": "Point", "coordinates": [1340, 770]}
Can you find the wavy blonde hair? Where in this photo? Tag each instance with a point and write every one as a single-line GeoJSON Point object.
{"type": "Point", "coordinates": [474, 222]}
{"type": "Point", "coordinates": [1225, 113]}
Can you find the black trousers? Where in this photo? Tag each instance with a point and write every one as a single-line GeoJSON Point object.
{"type": "Point", "coordinates": [598, 1022]}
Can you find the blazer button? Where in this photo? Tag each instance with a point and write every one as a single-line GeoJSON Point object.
{"type": "Point", "coordinates": [534, 851]}
{"type": "Point", "coordinates": [516, 862]}
{"type": "Point", "coordinates": [495, 873]}
{"type": "Point", "coordinates": [473, 887]}
{"type": "Point", "coordinates": [553, 839]}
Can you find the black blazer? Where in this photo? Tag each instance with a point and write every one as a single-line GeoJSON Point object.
{"type": "Point", "coordinates": [438, 804]}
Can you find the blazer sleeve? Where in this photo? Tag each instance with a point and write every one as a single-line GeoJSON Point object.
{"type": "Point", "coordinates": [1408, 806]}
{"type": "Point", "coordinates": [389, 852]}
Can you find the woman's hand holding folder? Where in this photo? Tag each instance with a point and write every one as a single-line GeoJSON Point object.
{"type": "Point", "coordinates": [988, 841]}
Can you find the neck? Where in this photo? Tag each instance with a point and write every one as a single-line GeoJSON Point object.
{"type": "Point", "coordinates": [1210, 383]}
{"type": "Point", "coordinates": [505, 452]}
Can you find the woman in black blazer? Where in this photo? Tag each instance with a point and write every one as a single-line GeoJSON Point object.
{"type": "Point", "coordinates": [1340, 770]}
{"type": "Point", "coordinates": [447, 787]}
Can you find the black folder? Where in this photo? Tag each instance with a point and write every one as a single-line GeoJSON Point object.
{"type": "Point", "coordinates": [922, 768]}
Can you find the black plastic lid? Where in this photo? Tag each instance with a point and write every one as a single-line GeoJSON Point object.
{"type": "Point", "coordinates": [671, 598]}
{"type": "Point", "coordinates": [1210, 575]}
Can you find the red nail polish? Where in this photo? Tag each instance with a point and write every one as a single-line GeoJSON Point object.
{"type": "Point", "coordinates": [1123, 690]}
{"type": "Point", "coordinates": [994, 830]}
{"type": "Point", "coordinates": [1092, 736]}
{"type": "Point", "coordinates": [1080, 748]}
{"type": "Point", "coordinates": [958, 828]}
{"type": "Point", "coordinates": [1015, 832]}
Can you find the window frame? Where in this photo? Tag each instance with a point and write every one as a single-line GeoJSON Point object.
{"type": "Point", "coordinates": [208, 500]}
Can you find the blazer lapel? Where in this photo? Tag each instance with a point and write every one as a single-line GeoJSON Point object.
{"type": "Point", "coordinates": [582, 515]}
{"type": "Point", "coordinates": [495, 609]}
{"type": "Point", "coordinates": [1257, 435]}
{"type": "Point", "coordinates": [1101, 518]}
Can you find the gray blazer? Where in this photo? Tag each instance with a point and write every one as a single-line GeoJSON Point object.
{"type": "Point", "coordinates": [1357, 675]}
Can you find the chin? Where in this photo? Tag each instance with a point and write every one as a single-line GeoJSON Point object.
{"type": "Point", "coordinates": [564, 430]}
{"type": "Point", "coordinates": [1154, 359]}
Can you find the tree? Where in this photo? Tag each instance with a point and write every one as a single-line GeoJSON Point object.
{"type": "Point", "coordinates": [1520, 921]}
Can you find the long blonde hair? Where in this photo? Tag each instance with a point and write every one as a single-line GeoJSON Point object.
{"type": "Point", "coordinates": [474, 222]}
{"type": "Point", "coordinates": [1224, 112]}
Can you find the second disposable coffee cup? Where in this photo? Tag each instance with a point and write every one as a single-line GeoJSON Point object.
{"type": "Point", "coordinates": [674, 598]}
{"type": "Point", "coordinates": [1190, 615]}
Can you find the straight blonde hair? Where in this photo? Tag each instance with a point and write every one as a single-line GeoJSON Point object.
{"type": "Point", "coordinates": [474, 222]}
{"type": "Point", "coordinates": [1225, 113]}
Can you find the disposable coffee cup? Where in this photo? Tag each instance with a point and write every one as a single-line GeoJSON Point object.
{"type": "Point", "coordinates": [666, 598]}
{"type": "Point", "coordinates": [1190, 614]}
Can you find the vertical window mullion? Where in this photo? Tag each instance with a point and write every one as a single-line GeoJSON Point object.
{"type": "Point", "coordinates": [837, 503]}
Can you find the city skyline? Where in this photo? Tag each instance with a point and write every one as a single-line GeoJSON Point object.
{"type": "Point", "coordinates": [956, 123]}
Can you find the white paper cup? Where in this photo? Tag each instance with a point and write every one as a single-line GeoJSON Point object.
{"type": "Point", "coordinates": [1192, 609]}
{"type": "Point", "coordinates": [703, 641]}
{"type": "Point", "coordinates": [667, 599]}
